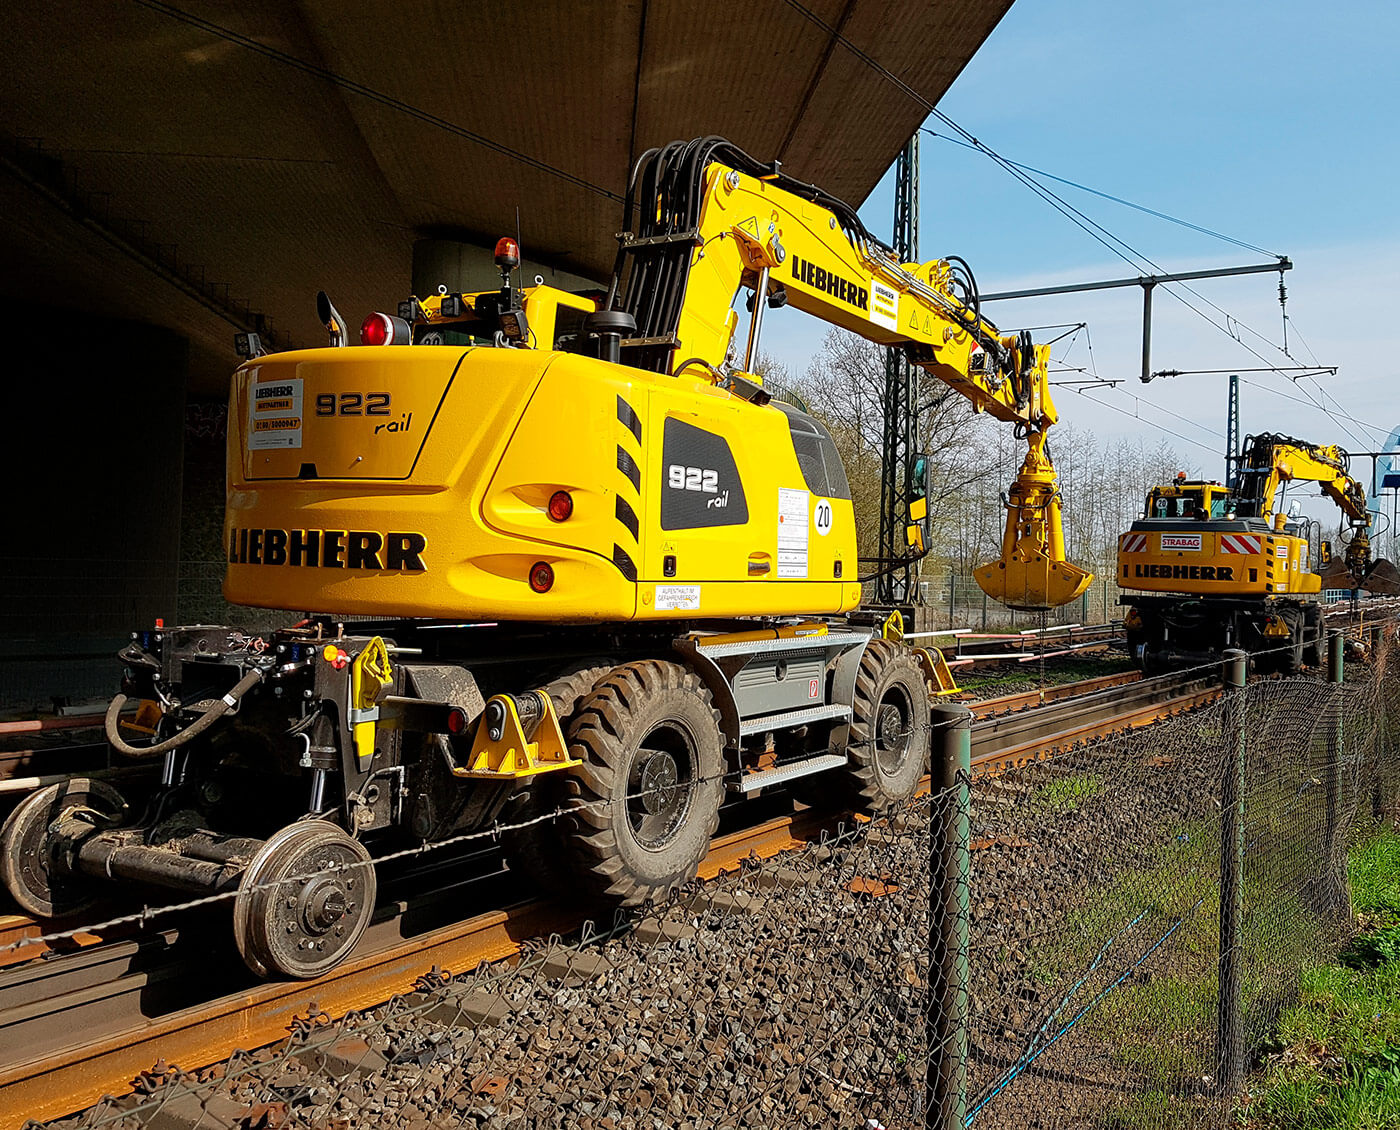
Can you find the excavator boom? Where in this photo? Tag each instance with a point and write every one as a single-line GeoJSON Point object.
{"type": "Point", "coordinates": [712, 220]}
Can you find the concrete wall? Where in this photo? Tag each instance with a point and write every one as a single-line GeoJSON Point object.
{"type": "Point", "coordinates": [94, 460]}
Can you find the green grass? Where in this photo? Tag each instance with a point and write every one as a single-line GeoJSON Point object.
{"type": "Point", "coordinates": [1066, 793]}
{"type": "Point", "coordinates": [1012, 678]}
{"type": "Point", "coordinates": [1336, 1062]}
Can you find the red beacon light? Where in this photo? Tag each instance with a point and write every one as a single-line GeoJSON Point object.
{"type": "Point", "coordinates": [507, 253]}
{"type": "Point", "coordinates": [385, 329]}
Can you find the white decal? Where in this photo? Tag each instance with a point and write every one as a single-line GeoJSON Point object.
{"type": "Point", "coordinates": [1281, 551]}
{"type": "Point", "coordinates": [678, 598]}
{"type": "Point", "coordinates": [692, 478]}
{"type": "Point", "coordinates": [821, 516]}
{"type": "Point", "coordinates": [274, 414]}
{"type": "Point", "coordinates": [1181, 541]}
{"type": "Point", "coordinates": [792, 533]}
{"type": "Point", "coordinates": [884, 305]}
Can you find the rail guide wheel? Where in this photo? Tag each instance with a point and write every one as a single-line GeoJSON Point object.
{"type": "Point", "coordinates": [32, 831]}
{"type": "Point", "coordinates": [304, 901]}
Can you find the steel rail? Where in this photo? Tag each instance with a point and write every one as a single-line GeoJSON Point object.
{"type": "Point", "coordinates": [54, 1082]}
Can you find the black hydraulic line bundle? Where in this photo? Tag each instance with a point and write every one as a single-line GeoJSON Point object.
{"type": "Point", "coordinates": [653, 261]}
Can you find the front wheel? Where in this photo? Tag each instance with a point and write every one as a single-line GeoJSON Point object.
{"type": "Point", "coordinates": [645, 802]}
{"type": "Point", "coordinates": [889, 744]}
{"type": "Point", "coordinates": [304, 901]}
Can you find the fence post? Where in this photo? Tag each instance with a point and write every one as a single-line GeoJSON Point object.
{"type": "Point", "coordinates": [950, 877]}
{"type": "Point", "coordinates": [1332, 776]}
{"type": "Point", "coordinates": [1229, 1035]}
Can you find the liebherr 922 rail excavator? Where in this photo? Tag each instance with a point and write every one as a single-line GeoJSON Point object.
{"type": "Point", "coordinates": [608, 574]}
{"type": "Point", "coordinates": [1210, 568]}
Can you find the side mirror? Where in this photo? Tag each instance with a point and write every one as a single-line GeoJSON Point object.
{"type": "Point", "coordinates": [1324, 553]}
{"type": "Point", "coordinates": [916, 489]}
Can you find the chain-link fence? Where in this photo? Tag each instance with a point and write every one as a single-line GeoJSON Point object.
{"type": "Point", "coordinates": [952, 599]}
{"type": "Point", "coordinates": [1139, 910]}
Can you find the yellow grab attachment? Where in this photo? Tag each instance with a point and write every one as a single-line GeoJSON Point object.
{"type": "Point", "coordinates": [1033, 574]}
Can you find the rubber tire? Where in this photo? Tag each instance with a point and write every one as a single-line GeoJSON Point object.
{"type": "Point", "coordinates": [1289, 663]}
{"type": "Point", "coordinates": [606, 734]}
{"type": "Point", "coordinates": [1312, 628]}
{"type": "Point", "coordinates": [863, 785]}
{"type": "Point", "coordinates": [25, 848]}
{"type": "Point", "coordinates": [537, 851]}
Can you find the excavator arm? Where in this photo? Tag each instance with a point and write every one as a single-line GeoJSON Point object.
{"type": "Point", "coordinates": [712, 221]}
{"type": "Point", "coordinates": [1269, 461]}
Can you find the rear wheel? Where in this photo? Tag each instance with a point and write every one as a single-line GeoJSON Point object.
{"type": "Point", "coordinates": [1312, 632]}
{"type": "Point", "coordinates": [1290, 658]}
{"type": "Point", "coordinates": [645, 801]}
{"type": "Point", "coordinates": [536, 849]}
{"type": "Point", "coordinates": [889, 743]}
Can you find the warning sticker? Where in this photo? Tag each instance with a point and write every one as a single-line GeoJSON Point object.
{"type": "Point", "coordinates": [274, 414]}
{"type": "Point", "coordinates": [884, 305]}
{"type": "Point", "coordinates": [792, 533]}
{"type": "Point", "coordinates": [678, 598]}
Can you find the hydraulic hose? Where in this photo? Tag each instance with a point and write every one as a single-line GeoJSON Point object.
{"type": "Point", "coordinates": [190, 732]}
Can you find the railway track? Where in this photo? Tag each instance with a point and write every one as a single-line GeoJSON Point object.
{"type": "Point", "coordinates": [176, 994]}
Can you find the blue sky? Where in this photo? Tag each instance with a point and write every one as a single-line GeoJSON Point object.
{"type": "Point", "coordinates": [1272, 122]}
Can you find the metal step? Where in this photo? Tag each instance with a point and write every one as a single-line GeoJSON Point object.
{"type": "Point", "coordinates": [750, 783]}
{"type": "Point", "coordinates": [790, 718]}
{"type": "Point", "coordinates": [786, 643]}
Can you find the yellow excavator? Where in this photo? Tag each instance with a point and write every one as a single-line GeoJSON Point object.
{"type": "Point", "coordinates": [1209, 567]}
{"type": "Point", "coordinates": [593, 564]}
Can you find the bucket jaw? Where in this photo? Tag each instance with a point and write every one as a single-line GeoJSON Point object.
{"type": "Point", "coordinates": [1033, 582]}
{"type": "Point", "coordinates": [1033, 574]}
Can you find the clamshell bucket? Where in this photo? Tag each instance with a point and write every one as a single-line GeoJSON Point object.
{"type": "Point", "coordinates": [1033, 582]}
{"type": "Point", "coordinates": [1382, 579]}
{"type": "Point", "coordinates": [1033, 575]}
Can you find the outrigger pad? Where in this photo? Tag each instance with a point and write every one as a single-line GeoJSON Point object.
{"type": "Point", "coordinates": [1036, 585]}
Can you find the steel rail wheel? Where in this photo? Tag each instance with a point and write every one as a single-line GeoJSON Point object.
{"type": "Point", "coordinates": [27, 840]}
{"type": "Point", "coordinates": [304, 901]}
{"type": "Point", "coordinates": [645, 802]}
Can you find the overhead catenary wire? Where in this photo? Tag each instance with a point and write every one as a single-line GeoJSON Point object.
{"type": "Point", "coordinates": [1149, 423]}
{"type": "Point", "coordinates": [1117, 246]}
{"type": "Point", "coordinates": [1116, 199]}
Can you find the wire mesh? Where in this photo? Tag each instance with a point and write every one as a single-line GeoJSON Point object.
{"type": "Point", "coordinates": [799, 990]}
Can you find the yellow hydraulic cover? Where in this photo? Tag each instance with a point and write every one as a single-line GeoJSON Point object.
{"type": "Point", "coordinates": [683, 500]}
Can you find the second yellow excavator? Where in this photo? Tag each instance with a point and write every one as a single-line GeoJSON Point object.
{"type": "Point", "coordinates": [1209, 567]}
